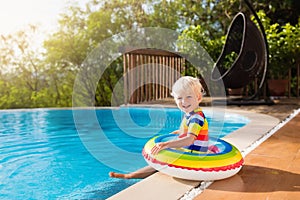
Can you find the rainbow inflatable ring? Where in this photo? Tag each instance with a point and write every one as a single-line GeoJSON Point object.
{"type": "Point", "coordinates": [224, 161]}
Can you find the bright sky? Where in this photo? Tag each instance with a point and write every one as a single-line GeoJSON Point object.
{"type": "Point", "coordinates": [17, 14]}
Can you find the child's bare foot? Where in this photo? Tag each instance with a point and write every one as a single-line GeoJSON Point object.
{"type": "Point", "coordinates": [119, 175]}
{"type": "Point", "coordinates": [140, 173]}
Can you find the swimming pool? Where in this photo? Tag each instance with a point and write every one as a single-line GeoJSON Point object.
{"type": "Point", "coordinates": [44, 157]}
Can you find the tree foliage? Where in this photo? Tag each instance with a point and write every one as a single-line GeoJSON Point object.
{"type": "Point", "coordinates": [32, 76]}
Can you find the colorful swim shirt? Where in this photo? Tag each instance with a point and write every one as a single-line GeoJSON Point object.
{"type": "Point", "coordinates": [195, 123]}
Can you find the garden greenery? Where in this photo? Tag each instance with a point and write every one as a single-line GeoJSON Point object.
{"type": "Point", "coordinates": [32, 76]}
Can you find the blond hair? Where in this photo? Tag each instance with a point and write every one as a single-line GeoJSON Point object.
{"type": "Point", "coordinates": [185, 84]}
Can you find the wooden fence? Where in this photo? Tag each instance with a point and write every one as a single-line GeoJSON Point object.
{"type": "Point", "coordinates": [149, 74]}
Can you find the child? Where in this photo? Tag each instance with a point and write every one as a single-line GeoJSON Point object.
{"type": "Point", "coordinates": [187, 93]}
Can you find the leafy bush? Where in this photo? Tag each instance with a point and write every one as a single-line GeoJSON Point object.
{"type": "Point", "coordinates": [284, 46]}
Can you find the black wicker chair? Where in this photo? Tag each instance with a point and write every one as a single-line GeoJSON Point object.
{"type": "Point", "coordinates": [245, 40]}
{"type": "Point", "coordinates": [249, 43]}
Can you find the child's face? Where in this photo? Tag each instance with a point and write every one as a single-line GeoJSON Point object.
{"type": "Point", "coordinates": [187, 101]}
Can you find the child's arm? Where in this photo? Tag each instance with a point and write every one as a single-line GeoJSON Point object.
{"type": "Point", "coordinates": [179, 133]}
{"type": "Point", "coordinates": [180, 142]}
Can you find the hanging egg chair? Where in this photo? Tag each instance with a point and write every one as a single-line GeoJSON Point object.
{"type": "Point", "coordinates": [246, 41]}
{"type": "Point", "coordinates": [249, 44]}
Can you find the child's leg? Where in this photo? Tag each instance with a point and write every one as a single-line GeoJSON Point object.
{"type": "Point", "coordinates": [140, 173]}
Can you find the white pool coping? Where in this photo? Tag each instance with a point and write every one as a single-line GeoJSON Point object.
{"type": "Point", "coordinates": [161, 186]}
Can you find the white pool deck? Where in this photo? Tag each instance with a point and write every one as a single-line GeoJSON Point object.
{"type": "Point", "coordinates": [163, 187]}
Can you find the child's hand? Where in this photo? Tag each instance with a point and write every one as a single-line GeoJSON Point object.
{"type": "Point", "coordinates": [158, 147]}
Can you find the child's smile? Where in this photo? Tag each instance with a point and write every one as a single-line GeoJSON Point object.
{"type": "Point", "coordinates": [187, 102]}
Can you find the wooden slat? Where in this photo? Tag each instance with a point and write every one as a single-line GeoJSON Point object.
{"type": "Point", "coordinates": [156, 77]}
{"type": "Point", "coordinates": [161, 64]}
{"type": "Point", "coordinates": [142, 77]}
{"type": "Point", "coordinates": [138, 79]}
{"type": "Point", "coordinates": [125, 92]}
{"type": "Point", "coordinates": [132, 62]}
{"type": "Point", "coordinates": [149, 79]}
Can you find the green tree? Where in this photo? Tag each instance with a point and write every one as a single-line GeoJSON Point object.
{"type": "Point", "coordinates": [66, 49]}
{"type": "Point", "coordinates": [31, 78]}
{"type": "Point", "coordinates": [81, 30]}
{"type": "Point", "coordinates": [22, 72]}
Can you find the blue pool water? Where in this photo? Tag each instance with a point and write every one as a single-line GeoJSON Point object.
{"type": "Point", "coordinates": [44, 154]}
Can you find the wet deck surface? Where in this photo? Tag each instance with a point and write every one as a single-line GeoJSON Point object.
{"type": "Point", "coordinates": [271, 171]}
